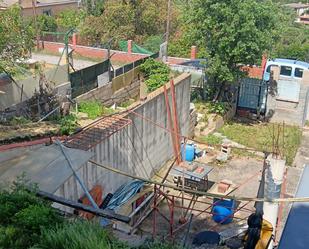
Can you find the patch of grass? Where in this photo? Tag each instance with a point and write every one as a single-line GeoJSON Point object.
{"type": "Point", "coordinates": [211, 139]}
{"type": "Point", "coordinates": [94, 109]}
{"type": "Point", "coordinates": [259, 136]}
{"type": "Point", "coordinates": [19, 121]}
{"type": "Point", "coordinates": [127, 103]}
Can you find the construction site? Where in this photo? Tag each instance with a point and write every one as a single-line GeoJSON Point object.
{"type": "Point", "coordinates": [140, 169]}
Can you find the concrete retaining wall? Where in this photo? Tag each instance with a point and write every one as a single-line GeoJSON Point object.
{"type": "Point", "coordinates": [121, 89]}
{"type": "Point", "coordinates": [13, 91]}
{"type": "Point", "coordinates": [139, 149]}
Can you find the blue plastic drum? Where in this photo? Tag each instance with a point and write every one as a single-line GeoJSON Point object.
{"type": "Point", "coordinates": [189, 153]}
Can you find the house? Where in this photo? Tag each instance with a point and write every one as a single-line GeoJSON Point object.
{"type": "Point", "coordinates": [47, 7]}
{"type": "Point", "coordinates": [300, 8]}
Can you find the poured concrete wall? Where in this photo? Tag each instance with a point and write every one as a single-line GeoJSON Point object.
{"type": "Point", "coordinates": [139, 149]}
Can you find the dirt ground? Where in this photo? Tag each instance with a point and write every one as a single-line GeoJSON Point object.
{"type": "Point", "coordinates": [243, 172]}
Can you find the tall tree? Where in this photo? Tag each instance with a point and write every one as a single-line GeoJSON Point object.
{"type": "Point", "coordinates": [235, 32]}
{"type": "Point", "coordinates": [16, 39]}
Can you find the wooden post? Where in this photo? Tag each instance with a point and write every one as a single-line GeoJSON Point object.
{"type": "Point", "coordinates": [176, 124]}
{"type": "Point", "coordinates": [169, 116]}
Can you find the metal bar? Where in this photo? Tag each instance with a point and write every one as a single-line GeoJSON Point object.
{"type": "Point", "coordinates": [169, 116]}
{"type": "Point", "coordinates": [48, 114]}
{"type": "Point", "coordinates": [176, 124]}
{"type": "Point", "coordinates": [154, 212]}
{"type": "Point", "coordinates": [79, 206]}
{"type": "Point", "coordinates": [93, 203]}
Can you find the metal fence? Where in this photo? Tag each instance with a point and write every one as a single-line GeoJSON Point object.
{"type": "Point", "coordinates": [86, 79]}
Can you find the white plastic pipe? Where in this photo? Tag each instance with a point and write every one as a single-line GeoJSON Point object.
{"type": "Point", "coordinates": [274, 178]}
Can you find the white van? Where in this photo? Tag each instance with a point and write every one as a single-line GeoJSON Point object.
{"type": "Point", "coordinates": [288, 68]}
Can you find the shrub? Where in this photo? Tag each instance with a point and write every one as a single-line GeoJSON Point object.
{"type": "Point", "coordinates": [68, 124]}
{"type": "Point", "coordinates": [151, 66]}
{"type": "Point", "coordinates": [155, 81]}
{"type": "Point", "coordinates": [156, 72]}
{"type": "Point", "coordinates": [218, 108]}
{"type": "Point", "coordinates": [23, 216]}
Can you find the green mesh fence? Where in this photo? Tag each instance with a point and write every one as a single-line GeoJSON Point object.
{"type": "Point", "coordinates": [135, 48]}
{"type": "Point", "coordinates": [86, 79]}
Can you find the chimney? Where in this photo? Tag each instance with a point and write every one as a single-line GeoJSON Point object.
{"type": "Point", "coordinates": [129, 46]}
{"type": "Point", "coordinates": [193, 52]}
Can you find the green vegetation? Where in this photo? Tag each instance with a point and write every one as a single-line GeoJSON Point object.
{"type": "Point", "coordinates": [79, 234]}
{"type": "Point", "coordinates": [23, 216]}
{"type": "Point", "coordinates": [68, 124]}
{"type": "Point", "coordinates": [94, 109]}
{"type": "Point", "coordinates": [211, 139]}
{"type": "Point", "coordinates": [208, 107]}
{"type": "Point", "coordinates": [16, 39]}
{"type": "Point", "coordinates": [29, 222]}
{"type": "Point", "coordinates": [259, 136]}
{"type": "Point", "coordinates": [156, 72]}
{"type": "Point", "coordinates": [19, 121]}
{"type": "Point", "coordinates": [252, 24]}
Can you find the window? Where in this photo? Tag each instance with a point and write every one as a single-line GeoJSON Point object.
{"type": "Point", "coordinates": [47, 12]}
{"type": "Point", "coordinates": [268, 69]}
{"type": "Point", "coordinates": [285, 71]}
{"type": "Point", "coordinates": [299, 72]}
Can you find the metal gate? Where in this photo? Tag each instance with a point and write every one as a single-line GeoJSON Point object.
{"type": "Point", "coordinates": [252, 95]}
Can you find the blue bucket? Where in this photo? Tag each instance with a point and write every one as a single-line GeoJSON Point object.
{"type": "Point", "coordinates": [222, 215]}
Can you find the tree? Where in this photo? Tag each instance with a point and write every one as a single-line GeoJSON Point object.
{"type": "Point", "coordinates": [294, 40]}
{"type": "Point", "coordinates": [68, 19]}
{"type": "Point", "coordinates": [16, 39]}
{"type": "Point", "coordinates": [235, 32]}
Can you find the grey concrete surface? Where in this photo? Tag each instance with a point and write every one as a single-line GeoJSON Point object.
{"type": "Point", "coordinates": [54, 59]}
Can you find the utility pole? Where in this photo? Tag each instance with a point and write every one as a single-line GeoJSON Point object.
{"type": "Point", "coordinates": [168, 20]}
{"type": "Point", "coordinates": [36, 24]}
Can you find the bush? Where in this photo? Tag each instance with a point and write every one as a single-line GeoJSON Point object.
{"type": "Point", "coordinates": [151, 66]}
{"type": "Point", "coordinates": [218, 108]}
{"type": "Point", "coordinates": [156, 72]}
{"type": "Point", "coordinates": [155, 81]}
{"type": "Point", "coordinates": [23, 216]}
{"type": "Point", "coordinates": [68, 124]}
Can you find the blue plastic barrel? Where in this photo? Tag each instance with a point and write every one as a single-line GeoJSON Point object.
{"type": "Point", "coordinates": [222, 215]}
{"type": "Point", "coordinates": [188, 153]}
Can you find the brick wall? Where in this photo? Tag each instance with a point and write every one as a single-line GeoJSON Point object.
{"type": "Point", "coordinates": [97, 53]}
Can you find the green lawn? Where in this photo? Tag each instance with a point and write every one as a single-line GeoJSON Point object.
{"type": "Point", "coordinates": [259, 136]}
